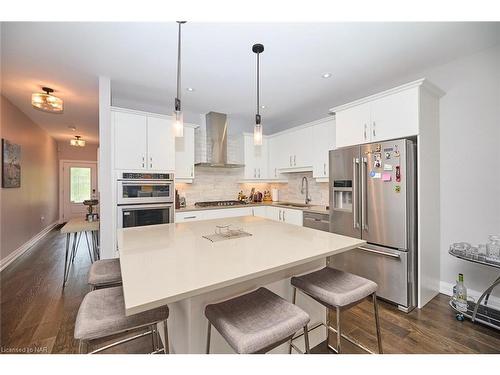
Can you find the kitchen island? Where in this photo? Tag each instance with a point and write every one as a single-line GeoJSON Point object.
{"type": "Point", "coordinates": [174, 265]}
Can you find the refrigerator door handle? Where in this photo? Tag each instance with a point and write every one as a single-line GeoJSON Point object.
{"type": "Point", "coordinates": [364, 203]}
{"type": "Point", "coordinates": [391, 255]}
{"type": "Point", "coordinates": [355, 170]}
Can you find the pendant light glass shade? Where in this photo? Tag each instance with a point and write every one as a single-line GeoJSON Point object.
{"type": "Point", "coordinates": [257, 135]}
{"type": "Point", "coordinates": [178, 124]}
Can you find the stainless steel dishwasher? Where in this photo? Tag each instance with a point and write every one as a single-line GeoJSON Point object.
{"type": "Point", "coordinates": [317, 221]}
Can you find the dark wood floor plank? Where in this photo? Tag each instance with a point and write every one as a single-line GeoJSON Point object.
{"type": "Point", "coordinates": [38, 316]}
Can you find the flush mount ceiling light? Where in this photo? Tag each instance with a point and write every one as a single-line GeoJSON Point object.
{"type": "Point", "coordinates": [47, 102]}
{"type": "Point", "coordinates": [77, 142]}
{"type": "Point", "coordinates": [326, 75]}
{"type": "Point", "coordinates": [257, 130]}
{"type": "Point", "coordinates": [178, 118]}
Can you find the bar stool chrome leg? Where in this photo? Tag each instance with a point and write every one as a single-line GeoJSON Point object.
{"type": "Point", "coordinates": [294, 299]}
{"type": "Point", "coordinates": [377, 324]}
{"type": "Point", "coordinates": [306, 340]}
{"type": "Point", "coordinates": [83, 347]}
{"type": "Point", "coordinates": [166, 346]}
{"type": "Point", "coordinates": [209, 329]}
{"type": "Point", "coordinates": [339, 331]}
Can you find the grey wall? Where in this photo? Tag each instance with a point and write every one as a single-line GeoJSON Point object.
{"type": "Point", "coordinates": [470, 159]}
{"type": "Point", "coordinates": [22, 208]}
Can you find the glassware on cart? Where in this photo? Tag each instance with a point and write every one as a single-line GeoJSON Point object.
{"type": "Point", "coordinates": [460, 248]}
{"type": "Point", "coordinates": [481, 252]}
{"type": "Point", "coordinates": [493, 247]}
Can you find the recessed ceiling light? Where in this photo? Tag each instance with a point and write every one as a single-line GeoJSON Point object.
{"type": "Point", "coordinates": [326, 75]}
{"type": "Point", "coordinates": [263, 106]}
{"type": "Point", "coordinates": [72, 128]}
{"type": "Point", "coordinates": [190, 89]}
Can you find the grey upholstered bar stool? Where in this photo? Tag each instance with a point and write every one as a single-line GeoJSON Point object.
{"type": "Point", "coordinates": [256, 322]}
{"type": "Point", "coordinates": [338, 290]}
{"type": "Point", "coordinates": [102, 314]}
{"type": "Point", "coordinates": [104, 273]}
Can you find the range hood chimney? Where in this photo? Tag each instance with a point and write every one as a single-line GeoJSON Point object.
{"type": "Point", "coordinates": [216, 142]}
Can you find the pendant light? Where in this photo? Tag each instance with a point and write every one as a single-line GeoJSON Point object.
{"type": "Point", "coordinates": [257, 130]}
{"type": "Point", "coordinates": [178, 118]}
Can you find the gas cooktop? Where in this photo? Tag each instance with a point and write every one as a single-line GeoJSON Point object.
{"type": "Point", "coordinates": [219, 203]}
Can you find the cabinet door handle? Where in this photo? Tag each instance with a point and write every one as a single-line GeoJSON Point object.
{"type": "Point", "coordinates": [284, 215]}
{"type": "Point", "coordinates": [294, 161]}
{"type": "Point", "coordinates": [259, 172]}
{"type": "Point", "coordinates": [290, 160]}
{"type": "Point", "coordinates": [373, 129]}
{"type": "Point", "coordinates": [189, 217]}
{"type": "Point", "coordinates": [275, 175]}
{"type": "Point", "coordinates": [365, 132]}
{"type": "Point", "coordinates": [324, 169]}
{"type": "Point", "coordinates": [254, 173]}
{"type": "Point", "coordinates": [191, 171]}
{"type": "Point", "coordinates": [280, 215]}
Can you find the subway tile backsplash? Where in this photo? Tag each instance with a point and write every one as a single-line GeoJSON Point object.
{"type": "Point", "coordinates": [224, 184]}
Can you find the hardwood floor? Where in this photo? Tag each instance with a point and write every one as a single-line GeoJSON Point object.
{"type": "Point", "coordinates": [37, 315]}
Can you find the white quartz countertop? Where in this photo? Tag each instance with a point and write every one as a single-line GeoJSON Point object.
{"type": "Point", "coordinates": [162, 264]}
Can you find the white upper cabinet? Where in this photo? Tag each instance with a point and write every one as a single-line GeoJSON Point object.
{"type": "Point", "coordinates": [395, 116]}
{"type": "Point", "coordinates": [130, 140]}
{"type": "Point", "coordinates": [323, 141]}
{"type": "Point", "coordinates": [388, 115]}
{"type": "Point", "coordinates": [184, 155]}
{"type": "Point", "coordinates": [161, 144]}
{"type": "Point", "coordinates": [143, 142]}
{"type": "Point", "coordinates": [352, 126]}
{"type": "Point", "coordinates": [292, 150]}
{"type": "Point", "coordinates": [256, 158]}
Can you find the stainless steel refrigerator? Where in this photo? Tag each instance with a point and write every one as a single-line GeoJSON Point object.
{"type": "Point", "coordinates": [373, 197]}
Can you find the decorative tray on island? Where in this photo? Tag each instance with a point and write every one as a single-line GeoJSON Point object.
{"type": "Point", "coordinates": [225, 232]}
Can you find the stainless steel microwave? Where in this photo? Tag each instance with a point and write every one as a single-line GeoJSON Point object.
{"type": "Point", "coordinates": [143, 188]}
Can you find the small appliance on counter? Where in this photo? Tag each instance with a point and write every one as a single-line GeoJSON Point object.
{"type": "Point", "coordinates": [275, 195]}
{"type": "Point", "coordinates": [257, 197]}
{"type": "Point", "coordinates": [267, 196]}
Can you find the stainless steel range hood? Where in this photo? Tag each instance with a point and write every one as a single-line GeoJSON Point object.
{"type": "Point", "coordinates": [216, 142]}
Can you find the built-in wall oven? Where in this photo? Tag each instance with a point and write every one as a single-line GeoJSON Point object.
{"type": "Point", "coordinates": [145, 199]}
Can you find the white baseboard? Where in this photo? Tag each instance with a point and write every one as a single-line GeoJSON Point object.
{"type": "Point", "coordinates": [447, 288]}
{"type": "Point", "coordinates": [24, 247]}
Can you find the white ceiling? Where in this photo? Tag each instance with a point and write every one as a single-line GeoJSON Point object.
{"type": "Point", "coordinates": [140, 59]}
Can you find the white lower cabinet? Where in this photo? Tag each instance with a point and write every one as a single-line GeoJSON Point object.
{"type": "Point", "coordinates": [182, 217]}
{"type": "Point", "coordinates": [259, 211]}
{"type": "Point", "coordinates": [285, 215]}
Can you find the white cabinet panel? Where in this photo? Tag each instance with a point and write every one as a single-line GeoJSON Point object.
{"type": "Point", "coordinates": [130, 138]}
{"type": "Point", "coordinates": [301, 147]}
{"type": "Point", "coordinates": [256, 159]}
{"type": "Point", "coordinates": [259, 211]}
{"type": "Point", "coordinates": [161, 146]}
{"type": "Point", "coordinates": [395, 116]}
{"type": "Point", "coordinates": [294, 217]}
{"type": "Point", "coordinates": [182, 217]}
{"type": "Point", "coordinates": [184, 154]}
{"type": "Point", "coordinates": [323, 142]}
{"type": "Point", "coordinates": [352, 126]}
{"type": "Point", "coordinates": [285, 215]}
{"type": "Point", "coordinates": [278, 155]}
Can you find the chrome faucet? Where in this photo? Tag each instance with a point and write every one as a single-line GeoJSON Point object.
{"type": "Point", "coordinates": [308, 199]}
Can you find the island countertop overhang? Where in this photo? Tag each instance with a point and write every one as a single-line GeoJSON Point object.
{"type": "Point", "coordinates": [163, 264]}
